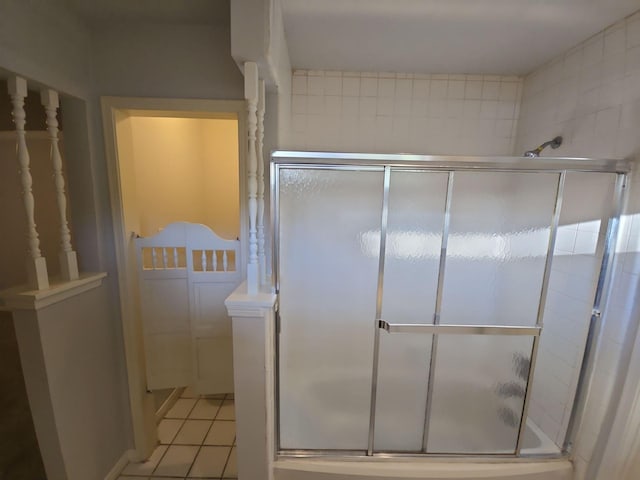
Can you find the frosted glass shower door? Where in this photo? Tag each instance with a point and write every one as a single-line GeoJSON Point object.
{"type": "Point", "coordinates": [412, 257]}
{"type": "Point", "coordinates": [497, 247]}
{"type": "Point", "coordinates": [498, 243]}
{"type": "Point", "coordinates": [329, 239]}
{"type": "Point", "coordinates": [412, 293]}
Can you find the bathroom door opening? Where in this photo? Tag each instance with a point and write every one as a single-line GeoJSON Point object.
{"type": "Point", "coordinates": [417, 298]}
{"type": "Point", "coordinates": [182, 173]}
{"type": "Point", "coordinates": [184, 170]}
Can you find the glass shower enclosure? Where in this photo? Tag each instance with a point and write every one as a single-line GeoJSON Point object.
{"type": "Point", "coordinates": [412, 297]}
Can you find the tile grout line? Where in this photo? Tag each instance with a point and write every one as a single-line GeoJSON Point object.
{"type": "Point", "coordinates": [183, 422]}
{"type": "Point", "coordinates": [224, 469]}
{"type": "Point", "coordinates": [174, 437]}
{"type": "Point", "coordinates": [163, 455]}
{"type": "Point", "coordinates": [204, 439]}
{"type": "Point", "coordinates": [205, 436]}
{"type": "Point", "coordinates": [198, 398]}
{"type": "Point", "coordinates": [226, 463]}
{"type": "Point", "coordinates": [193, 461]}
{"type": "Point", "coordinates": [202, 397]}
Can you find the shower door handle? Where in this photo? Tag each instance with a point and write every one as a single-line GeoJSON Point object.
{"type": "Point", "coordinates": [430, 328]}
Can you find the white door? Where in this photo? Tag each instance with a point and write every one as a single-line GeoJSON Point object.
{"type": "Point", "coordinates": [185, 273]}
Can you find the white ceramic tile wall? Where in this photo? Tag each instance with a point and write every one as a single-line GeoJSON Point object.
{"type": "Point", "coordinates": [574, 275]}
{"type": "Point", "coordinates": [591, 96]}
{"type": "Point", "coordinates": [396, 112]}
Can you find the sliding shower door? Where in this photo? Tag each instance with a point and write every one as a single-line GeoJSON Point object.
{"type": "Point", "coordinates": [494, 272]}
{"type": "Point", "coordinates": [415, 224]}
{"type": "Point", "coordinates": [328, 271]}
{"type": "Point", "coordinates": [411, 302]}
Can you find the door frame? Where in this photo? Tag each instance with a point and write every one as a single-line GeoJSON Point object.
{"type": "Point", "coordinates": [114, 109]}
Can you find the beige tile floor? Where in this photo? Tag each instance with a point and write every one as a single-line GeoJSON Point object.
{"type": "Point", "coordinates": [197, 441]}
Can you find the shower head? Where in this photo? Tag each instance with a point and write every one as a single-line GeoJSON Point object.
{"type": "Point", "coordinates": [555, 143]}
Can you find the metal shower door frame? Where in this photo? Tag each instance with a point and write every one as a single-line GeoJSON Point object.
{"type": "Point", "coordinates": [435, 329]}
{"type": "Point", "coordinates": [378, 162]}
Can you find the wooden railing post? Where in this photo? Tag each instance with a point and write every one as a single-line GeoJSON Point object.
{"type": "Point", "coordinates": [37, 275]}
{"type": "Point", "coordinates": [67, 256]}
{"type": "Point", "coordinates": [260, 220]}
{"type": "Point", "coordinates": [251, 95]}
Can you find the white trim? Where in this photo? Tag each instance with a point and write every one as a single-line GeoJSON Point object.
{"type": "Point", "coordinates": [24, 298]}
{"type": "Point", "coordinates": [242, 304]}
{"type": "Point", "coordinates": [142, 410]}
{"type": "Point", "coordinates": [117, 468]}
{"type": "Point", "coordinates": [168, 403]}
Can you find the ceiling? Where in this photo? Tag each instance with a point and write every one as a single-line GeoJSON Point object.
{"type": "Point", "coordinates": [442, 36]}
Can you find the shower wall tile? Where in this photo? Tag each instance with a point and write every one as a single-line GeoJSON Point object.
{"type": "Point", "coordinates": [591, 96]}
{"type": "Point", "coordinates": [402, 112]}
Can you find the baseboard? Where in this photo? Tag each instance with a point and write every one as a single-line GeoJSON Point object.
{"type": "Point", "coordinates": [168, 403]}
{"type": "Point", "coordinates": [114, 473]}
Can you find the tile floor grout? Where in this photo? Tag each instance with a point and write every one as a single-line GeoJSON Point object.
{"type": "Point", "coordinates": [223, 399]}
{"type": "Point", "coordinates": [227, 461]}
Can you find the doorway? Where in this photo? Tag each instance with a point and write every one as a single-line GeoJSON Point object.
{"type": "Point", "coordinates": [172, 162]}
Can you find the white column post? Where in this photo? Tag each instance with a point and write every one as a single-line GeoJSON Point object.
{"type": "Point", "coordinates": [260, 221]}
{"type": "Point", "coordinates": [37, 275]}
{"type": "Point", "coordinates": [254, 330]}
{"type": "Point", "coordinates": [67, 256]}
{"type": "Point", "coordinates": [251, 95]}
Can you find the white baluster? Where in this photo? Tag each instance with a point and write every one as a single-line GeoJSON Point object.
{"type": "Point", "coordinates": [175, 257]}
{"type": "Point", "coordinates": [154, 258]}
{"type": "Point", "coordinates": [251, 95]}
{"type": "Point", "coordinates": [36, 263]}
{"type": "Point", "coordinates": [225, 261]}
{"type": "Point", "coordinates": [260, 219]}
{"type": "Point", "coordinates": [203, 259]}
{"type": "Point", "coordinates": [67, 256]}
{"type": "Point", "coordinates": [214, 259]}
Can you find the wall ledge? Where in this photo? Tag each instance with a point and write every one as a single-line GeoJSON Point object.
{"type": "Point", "coordinates": [242, 304]}
{"type": "Point", "coordinates": [21, 298]}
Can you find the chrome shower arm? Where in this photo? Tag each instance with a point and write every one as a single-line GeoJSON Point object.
{"type": "Point", "coordinates": [555, 143]}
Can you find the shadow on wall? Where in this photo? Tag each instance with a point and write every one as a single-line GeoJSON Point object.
{"type": "Point", "coordinates": [20, 457]}
{"type": "Point", "coordinates": [19, 452]}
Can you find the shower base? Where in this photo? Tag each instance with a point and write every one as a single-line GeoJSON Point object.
{"type": "Point", "coordinates": [536, 442]}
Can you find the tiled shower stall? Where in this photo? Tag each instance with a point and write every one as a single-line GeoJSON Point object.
{"type": "Point", "coordinates": [591, 96]}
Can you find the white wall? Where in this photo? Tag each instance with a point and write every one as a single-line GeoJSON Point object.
{"type": "Point", "coordinates": [399, 112]}
{"type": "Point", "coordinates": [184, 169]}
{"type": "Point", "coordinates": [173, 61]}
{"type": "Point", "coordinates": [221, 177]}
{"type": "Point", "coordinates": [591, 96]}
{"type": "Point", "coordinates": [86, 394]}
{"type": "Point", "coordinates": [46, 42]}
{"type": "Point", "coordinates": [154, 60]}
{"type": "Point", "coordinates": [167, 155]}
